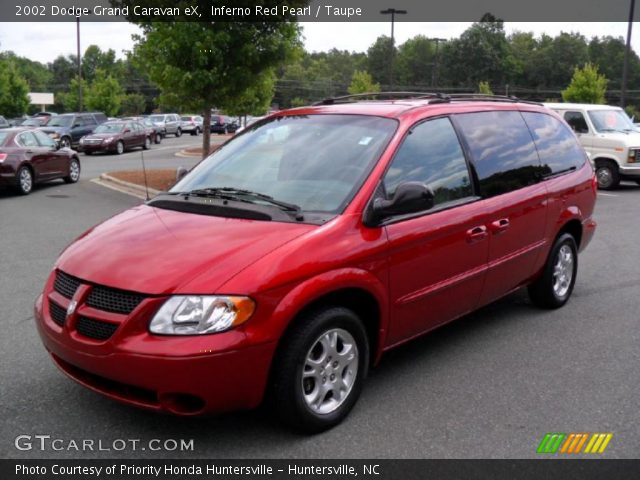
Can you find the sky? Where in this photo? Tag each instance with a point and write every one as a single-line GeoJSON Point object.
{"type": "Point", "coordinates": [45, 41]}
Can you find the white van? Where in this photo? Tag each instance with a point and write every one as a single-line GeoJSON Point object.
{"type": "Point", "coordinates": [611, 140]}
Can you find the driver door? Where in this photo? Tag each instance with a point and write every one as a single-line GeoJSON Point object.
{"type": "Point", "coordinates": [438, 258]}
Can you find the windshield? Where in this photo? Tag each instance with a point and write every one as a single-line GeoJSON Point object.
{"type": "Point", "coordinates": [61, 121]}
{"type": "Point", "coordinates": [611, 121]}
{"type": "Point", "coordinates": [109, 128]}
{"type": "Point", "coordinates": [187, 119]}
{"type": "Point", "coordinates": [316, 162]}
{"type": "Point", "coordinates": [157, 118]}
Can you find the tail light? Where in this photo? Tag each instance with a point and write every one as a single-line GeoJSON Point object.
{"type": "Point", "coordinates": [3, 157]}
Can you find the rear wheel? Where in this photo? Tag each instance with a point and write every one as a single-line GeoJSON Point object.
{"type": "Point", "coordinates": [554, 287]}
{"type": "Point", "coordinates": [178, 132]}
{"type": "Point", "coordinates": [319, 371]}
{"type": "Point", "coordinates": [197, 130]}
{"type": "Point", "coordinates": [74, 171]}
{"type": "Point", "coordinates": [607, 174]}
{"type": "Point", "coordinates": [25, 180]}
{"type": "Point", "coordinates": [147, 143]}
{"type": "Point", "coordinates": [158, 138]}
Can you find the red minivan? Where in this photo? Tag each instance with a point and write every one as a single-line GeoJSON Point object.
{"type": "Point", "coordinates": [286, 263]}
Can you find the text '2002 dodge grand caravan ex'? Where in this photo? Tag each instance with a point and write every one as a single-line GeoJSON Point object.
{"type": "Point", "coordinates": [287, 262]}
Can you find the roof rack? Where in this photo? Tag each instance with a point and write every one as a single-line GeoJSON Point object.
{"type": "Point", "coordinates": [379, 95]}
{"type": "Point", "coordinates": [432, 97]}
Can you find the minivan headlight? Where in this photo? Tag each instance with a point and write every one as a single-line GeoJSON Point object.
{"type": "Point", "coordinates": [201, 314]}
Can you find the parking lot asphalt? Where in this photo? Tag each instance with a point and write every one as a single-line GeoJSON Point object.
{"type": "Point", "coordinates": [487, 386]}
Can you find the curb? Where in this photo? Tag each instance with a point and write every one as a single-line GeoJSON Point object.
{"type": "Point", "coordinates": [129, 188]}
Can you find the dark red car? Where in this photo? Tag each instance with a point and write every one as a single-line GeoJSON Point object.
{"type": "Point", "coordinates": [116, 137]}
{"type": "Point", "coordinates": [286, 263]}
{"type": "Point", "coordinates": [28, 156]}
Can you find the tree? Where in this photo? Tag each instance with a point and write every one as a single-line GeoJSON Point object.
{"type": "Point", "coordinates": [14, 98]}
{"type": "Point", "coordinates": [95, 59]}
{"type": "Point", "coordinates": [210, 63]}
{"type": "Point", "coordinates": [104, 94]}
{"type": "Point", "coordinates": [255, 100]}
{"type": "Point", "coordinates": [70, 100]}
{"type": "Point", "coordinates": [378, 58]}
{"type": "Point", "coordinates": [587, 86]}
{"type": "Point", "coordinates": [133, 104]}
{"type": "Point", "coordinates": [415, 61]}
{"type": "Point", "coordinates": [361, 82]}
{"type": "Point", "coordinates": [484, 88]}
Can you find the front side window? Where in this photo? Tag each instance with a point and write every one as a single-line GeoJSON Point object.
{"type": "Point", "coordinates": [61, 121]}
{"type": "Point", "coordinates": [502, 150]}
{"type": "Point", "coordinates": [557, 147]}
{"type": "Point", "coordinates": [316, 162]}
{"type": "Point", "coordinates": [576, 121]}
{"type": "Point", "coordinates": [431, 154]}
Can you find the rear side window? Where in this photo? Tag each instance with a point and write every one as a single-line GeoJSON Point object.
{"type": "Point", "coordinates": [577, 122]}
{"type": "Point", "coordinates": [502, 150]}
{"type": "Point", "coordinates": [557, 147]}
{"type": "Point", "coordinates": [431, 154]}
{"type": "Point", "coordinates": [27, 139]}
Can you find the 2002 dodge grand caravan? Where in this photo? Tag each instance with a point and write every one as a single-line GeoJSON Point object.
{"type": "Point", "coordinates": [288, 261]}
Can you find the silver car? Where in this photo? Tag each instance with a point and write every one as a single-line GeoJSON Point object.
{"type": "Point", "coordinates": [170, 123]}
{"type": "Point", "coordinates": [191, 124]}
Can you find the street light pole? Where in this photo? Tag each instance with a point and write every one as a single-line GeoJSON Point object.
{"type": "Point", "coordinates": [393, 12]}
{"type": "Point", "coordinates": [79, 65]}
{"type": "Point", "coordinates": [627, 53]}
{"type": "Point", "coordinates": [434, 73]}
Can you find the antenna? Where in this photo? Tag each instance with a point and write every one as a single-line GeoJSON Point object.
{"type": "Point", "coordinates": [144, 174]}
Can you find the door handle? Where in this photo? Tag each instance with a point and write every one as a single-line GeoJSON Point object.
{"type": "Point", "coordinates": [477, 234]}
{"type": "Point", "coordinates": [499, 226]}
{"type": "Point", "coordinates": [29, 151]}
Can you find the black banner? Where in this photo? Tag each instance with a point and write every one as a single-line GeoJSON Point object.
{"type": "Point", "coordinates": [314, 11]}
{"type": "Point", "coordinates": [546, 469]}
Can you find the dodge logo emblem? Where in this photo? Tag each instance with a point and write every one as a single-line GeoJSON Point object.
{"type": "Point", "coordinates": [71, 308]}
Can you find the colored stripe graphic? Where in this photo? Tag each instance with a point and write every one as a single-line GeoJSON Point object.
{"type": "Point", "coordinates": [556, 442]}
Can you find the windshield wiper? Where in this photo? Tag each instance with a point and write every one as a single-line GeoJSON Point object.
{"type": "Point", "coordinates": [614, 130]}
{"type": "Point", "coordinates": [231, 193]}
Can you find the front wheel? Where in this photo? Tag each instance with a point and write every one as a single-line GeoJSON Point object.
{"type": "Point", "coordinates": [320, 368]}
{"type": "Point", "coordinates": [554, 287]}
{"type": "Point", "coordinates": [120, 147]}
{"type": "Point", "coordinates": [607, 175]}
{"type": "Point", "coordinates": [74, 171]}
{"type": "Point", "coordinates": [158, 138]}
{"type": "Point", "coordinates": [178, 132]}
{"type": "Point", "coordinates": [147, 143]}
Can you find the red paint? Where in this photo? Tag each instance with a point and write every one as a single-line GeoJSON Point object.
{"type": "Point", "coordinates": [421, 273]}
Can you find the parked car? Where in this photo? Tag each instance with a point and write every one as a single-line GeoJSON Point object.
{"type": "Point", "coordinates": [3, 122]}
{"type": "Point", "coordinates": [287, 262]}
{"type": "Point", "coordinates": [153, 130]}
{"type": "Point", "coordinates": [191, 124]}
{"type": "Point", "coordinates": [69, 128]}
{"type": "Point", "coordinates": [250, 121]}
{"type": "Point", "coordinates": [170, 123]}
{"type": "Point", "coordinates": [16, 121]}
{"type": "Point", "coordinates": [223, 124]}
{"type": "Point", "coordinates": [116, 137]}
{"type": "Point", "coordinates": [29, 156]}
{"type": "Point", "coordinates": [609, 137]}
{"type": "Point", "coordinates": [35, 122]}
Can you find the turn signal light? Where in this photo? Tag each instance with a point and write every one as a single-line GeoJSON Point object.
{"type": "Point", "coordinates": [3, 157]}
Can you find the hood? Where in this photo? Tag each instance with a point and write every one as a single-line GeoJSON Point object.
{"type": "Point", "coordinates": [616, 139]}
{"type": "Point", "coordinates": [155, 251]}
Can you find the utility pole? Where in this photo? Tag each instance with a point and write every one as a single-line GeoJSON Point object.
{"type": "Point", "coordinates": [393, 12]}
{"type": "Point", "coordinates": [627, 53]}
{"type": "Point", "coordinates": [79, 65]}
{"type": "Point", "coordinates": [434, 72]}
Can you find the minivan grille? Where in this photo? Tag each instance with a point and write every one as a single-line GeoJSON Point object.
{"type": "Point", "coordinates": [112, 300]}
{"type": "Point", "coordinates": [65, 285]}
{"type": "Point", "coordinates": [58, 314]}
{"type": "Point", "coordinates": [95, 329]}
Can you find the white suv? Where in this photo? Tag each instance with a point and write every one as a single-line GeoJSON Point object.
{"type": "Point", "coordinates": [611, 140]}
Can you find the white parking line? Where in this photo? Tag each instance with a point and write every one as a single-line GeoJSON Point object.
{"type": "Point", "coordinates": [607, 194]}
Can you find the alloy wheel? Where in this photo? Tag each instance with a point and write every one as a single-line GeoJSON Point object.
{"type": "Point", "coordinates": [563, 271]}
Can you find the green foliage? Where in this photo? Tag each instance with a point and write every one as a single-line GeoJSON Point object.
{"type": "Point", "coordinates": [14, 100]}
{"type": "Point", "coordinates": [95, 59]}
{"type": "Point", "coordinates": [587, 86]}
{"type": "Point", "coordinates": [104, 94]}
{"type": "Point", "coordinates": [133, 104]}
{"type": "Point", "coordinates": [484, 88]}
{"type": "Point", "coordinates": [415, 61]}
{"type": "Point", "coordinates": [298, 102]}
{"type": "Point", "coordinates": [70, 100]}
{"type": "Point", "coordinates": [378, 57]}
{"type": "Point", "coordinates": [255, 100]}
{"type": "Point", "coordinates": [361, 82]}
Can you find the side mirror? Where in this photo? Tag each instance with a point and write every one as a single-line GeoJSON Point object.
{"type": "Point", "coordinates": [127, 130]}
{"type": "Point", "coordinates": [410, 197]}
{"type": "Point", "coordinates": [180, 173]}
{"type": "Point", "coordinates": [75, 125]}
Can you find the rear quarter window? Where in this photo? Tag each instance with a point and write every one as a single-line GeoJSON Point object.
{"type": "Point", "coordinates": [502, 150]}
{"type": "Point", "coordinates": [558, 148]}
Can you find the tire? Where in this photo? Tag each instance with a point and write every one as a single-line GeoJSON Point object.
{"type": "Point", "coordinates": [310, 341]}
{"type": "Point", "coordinates": [120, 147]}
{"type": "Point", "coordinates": [158, 139]}
{"type": "Point", "coordinates": [25, 180]}
{"type": "Point", "coordinates": [147, 143]}
{"type": "Point", "coordinates": [607, 175]}
{"type": "Point", "coordinates": [65, 142]}
{"type": "Point", "coordinates": [74, 171]}
{"type": "Point", "coordinates": [194, 133]}
{"type": "Point", "coordinates": [178, 132]}
{"type": "Point", "coordinates": [554, 287]}
{"type": "Point", "coordinates": [88, 153]}
{"type": "Point", "coordinates": [638, 182]}
{"type": "Point", "coordinates": [197, 131]}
